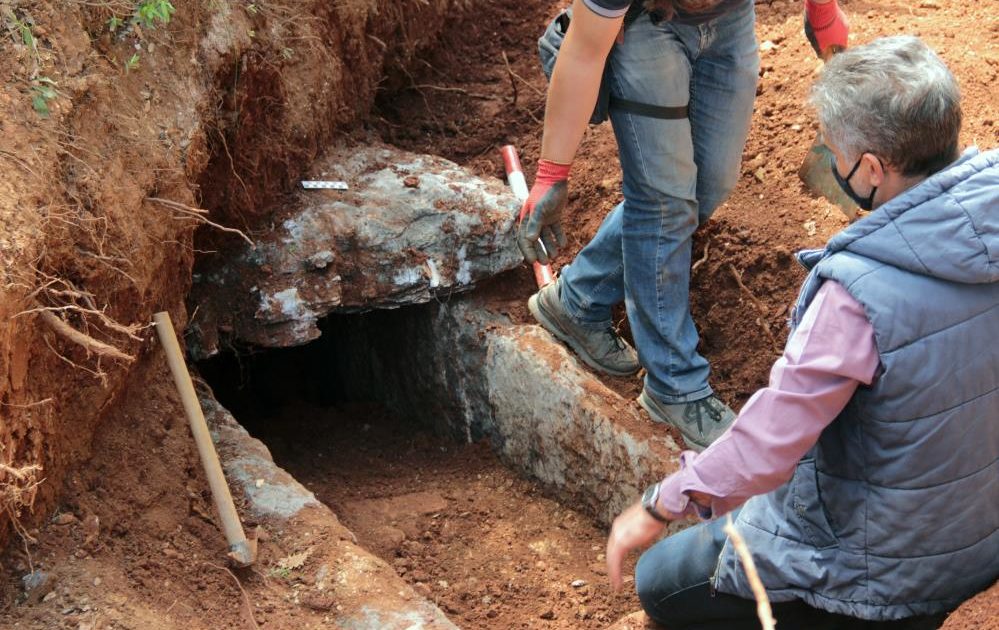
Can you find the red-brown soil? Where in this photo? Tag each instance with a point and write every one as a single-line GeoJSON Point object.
{"type": "Point", "coordinates": [102, 152]}
{"type": "Point", "coordinates": [135, 541]}
{"type": "Point", "coordinates": [486, 546]}
{"type": "Point", "coordinates": [768, 217]}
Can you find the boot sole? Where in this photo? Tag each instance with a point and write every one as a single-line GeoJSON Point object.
{"type": "Point", "coordinates": [649, 406]}
{"type": "Point", "coordinates": [552, 326]}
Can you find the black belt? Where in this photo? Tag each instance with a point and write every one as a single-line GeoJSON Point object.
{"type": "Point", "coordinates": [649, 111]}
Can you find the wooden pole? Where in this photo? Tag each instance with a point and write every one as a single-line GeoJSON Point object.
{"type": "Point", "coordinates": [241, 551]}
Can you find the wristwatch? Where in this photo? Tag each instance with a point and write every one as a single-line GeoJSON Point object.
{"type": "Point", "coordinates": [649, 500]}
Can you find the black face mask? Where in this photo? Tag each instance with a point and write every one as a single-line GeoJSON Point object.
{"type": "Point", "coordinates": [864, 203]}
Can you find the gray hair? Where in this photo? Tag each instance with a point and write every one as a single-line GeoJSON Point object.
{"type": "Point", "coordinates": [892, 97]}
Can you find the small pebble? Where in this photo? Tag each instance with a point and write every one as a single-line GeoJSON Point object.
{"type": "Point", "coordinates": [578, 583]}
{"type": "Point", "coordinates": [65, 518]}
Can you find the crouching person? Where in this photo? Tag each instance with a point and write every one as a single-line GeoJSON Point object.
{"type": "Point", "coordinates": [866, 475]}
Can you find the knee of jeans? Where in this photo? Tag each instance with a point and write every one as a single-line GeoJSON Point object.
{"type": "Point", "coordinates": [719, 192]}
{"type": "Point", "coordinates": [647, 585]}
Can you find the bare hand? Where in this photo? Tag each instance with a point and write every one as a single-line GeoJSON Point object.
{"type": "Point", "coordinates": [632, 529]}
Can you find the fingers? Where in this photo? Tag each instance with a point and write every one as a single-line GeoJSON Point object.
{"type": "Point", "coordinates": [542, 255]}
{"type": "Point", "coordinates": [810, 35]}
{"type": "Point", "coordinates": [559, 235]}
{"type": "Point", "coordinates": [525, 210]}
{"type": "Point", "coordinates": [615, 554]}
{"type": "Point", "coordinates": [527, 244]}
{"type": "Point", "coordinates": [549, 241]}
{"type": "Point", "coordinates": [534, 228]}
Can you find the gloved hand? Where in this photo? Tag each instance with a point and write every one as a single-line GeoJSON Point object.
{"type": "Point", "coordinates": [541, 214]}
{"type": "Point", "coordinates": [825, 27]}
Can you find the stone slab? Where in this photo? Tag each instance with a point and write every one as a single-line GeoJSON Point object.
{"type": "Point", "coordinates": [410, 229]}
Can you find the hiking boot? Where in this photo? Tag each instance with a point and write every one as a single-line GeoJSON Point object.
{"type": "Point", "coordinates": [700, 421]}
{"type": "Point", "coordinates": [602, 350]}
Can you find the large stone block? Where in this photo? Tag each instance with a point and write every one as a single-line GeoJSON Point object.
{"type": "Point", "coordinates": [409, 229]}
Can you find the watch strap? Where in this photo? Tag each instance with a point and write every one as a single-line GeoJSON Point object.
{"type": "Point", "coordinates": [649, 501]}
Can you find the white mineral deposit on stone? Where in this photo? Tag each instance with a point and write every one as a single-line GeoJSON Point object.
{"type": "Point", "coordinates": [294, 229]}
{"type": "Point", "coordinates": [435, 276]}
{"type": "Point", "coordinates": [408, 276]}
{"type": "Point", "coordinates": [464, 275]}
{"type": "Point", "coordinates": [289, 303]}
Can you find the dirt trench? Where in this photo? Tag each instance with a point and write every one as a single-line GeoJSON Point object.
{"type": "Point", "coordinates": [488, 546]}
{"type": "Point", "coordinates": [251, 96]}
{"type": "Point", "coordinates": [115, 135]}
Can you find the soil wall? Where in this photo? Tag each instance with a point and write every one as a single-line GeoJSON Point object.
{"type": "Point", "coordinates": [112, 135]}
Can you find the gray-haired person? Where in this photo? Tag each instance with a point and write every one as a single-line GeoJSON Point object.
{"type": "Point", "coordinates": [866, 475]}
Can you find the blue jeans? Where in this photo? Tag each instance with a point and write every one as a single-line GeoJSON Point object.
{"type": "Point", "coordinates": [673, 579]}
{"type": "Point", "coordinates": [675, 173]}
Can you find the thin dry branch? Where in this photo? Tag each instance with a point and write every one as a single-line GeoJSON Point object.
{"type": "Point", "coordinates": [20, 162]}
{"type": "Point", "coordinates": [703, 259]}
{"type": "Point", "coordinates": [763, 610]}
{"type": "Point", "coordinates": [458, 90]}
{"type": "Point", "coordinates": [513, 82]}
{"type": "Point", "coordinates": [513, 73]}
{"type": "Point", "coordinates": [99, 373]}
{"type": "Point", "coordinates": [199, 214]}
{"type": "Point", "coordinates": [760, 307]}
{"type": "Point", "coordinates": [37, 403]}
{"type": "Point", "coordinates": [97, 347]}
{"type": "Point", "coordinates": [246, 598]}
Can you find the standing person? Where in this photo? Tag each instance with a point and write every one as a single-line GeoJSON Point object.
{"type": "Point", "coordinates": [868, 469]}
{"type": "Point", "coordinates": [698, 57]}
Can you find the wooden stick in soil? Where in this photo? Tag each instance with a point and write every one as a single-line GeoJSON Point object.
{"type": "Point", "coordinates": [763, 610]}
{"type": "Point", "coordinates": [241, 551]}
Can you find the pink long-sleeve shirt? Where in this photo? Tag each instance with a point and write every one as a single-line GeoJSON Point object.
{"type": "Point", "coordinates": [829, 354]}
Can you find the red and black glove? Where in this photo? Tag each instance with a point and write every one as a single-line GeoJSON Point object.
{"type": "Point", "coordinates": [825, 27]}
{"type": "Point", "coordinates": [541, 214]}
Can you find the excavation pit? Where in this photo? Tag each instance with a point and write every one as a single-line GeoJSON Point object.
{"type": "Point", "coordinates": [420, 489]}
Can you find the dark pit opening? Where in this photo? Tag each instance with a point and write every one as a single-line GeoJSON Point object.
{"type": "Point", "coordinates": [349, 417]}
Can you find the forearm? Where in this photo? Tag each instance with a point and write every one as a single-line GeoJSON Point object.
{"type": "Point", "coordinates": [576, 81]}
{"type": "Point", "coordinates": [827, 357]}
{"type": "Point", "coordinates": [759, 454]}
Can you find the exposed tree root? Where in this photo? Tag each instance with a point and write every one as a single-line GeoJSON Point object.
{"type": "Point", "coordinates": [760, 307]}
{"type": "Point", "coordinates": [100, 348]}
{"type": "Point", "coordinates": [199, 214]}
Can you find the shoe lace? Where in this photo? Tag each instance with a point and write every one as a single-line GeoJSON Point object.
{"type": "Point", "coordinates": [695, 412]}
{"type": "Point", "coordinates": [615, 338]}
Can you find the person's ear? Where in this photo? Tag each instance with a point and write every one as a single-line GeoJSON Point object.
{"type": "Point", "coordinates": [876, 172]}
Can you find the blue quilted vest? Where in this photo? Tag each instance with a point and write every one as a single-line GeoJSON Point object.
{"type": "Point", "coordinates": [895, 511]}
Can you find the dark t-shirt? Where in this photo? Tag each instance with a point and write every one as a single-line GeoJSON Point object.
{"type": "Point", "coordinates": [616, 8]}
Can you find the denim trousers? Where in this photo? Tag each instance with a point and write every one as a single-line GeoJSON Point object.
{"type": "Point", "coordinates": [675, 173]}
{"type": "Point", "coordinates": [673, 579]}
